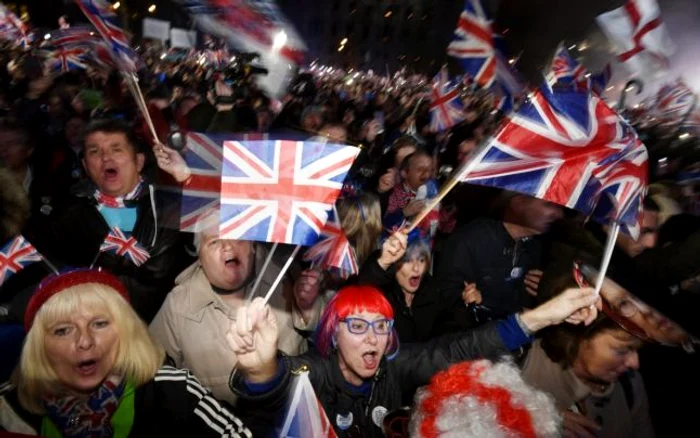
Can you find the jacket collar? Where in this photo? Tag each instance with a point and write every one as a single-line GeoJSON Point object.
{"type": "Point", "coordinates": [201, 294]}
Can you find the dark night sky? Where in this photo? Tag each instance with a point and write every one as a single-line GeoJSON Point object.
{"type": "Point", "coordinates": [535, 26]}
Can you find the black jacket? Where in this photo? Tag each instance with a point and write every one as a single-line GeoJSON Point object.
{"type": "Point", "coordinates": [172, 404]}
{"type": "Point", "coordinates": [395, 380]}
{"type": "Point", "coordinates": [81, 230]}
{"type": "Point", "coordinates": [483, 252]}
{"type": "Point", "coordinates": [427, 314]}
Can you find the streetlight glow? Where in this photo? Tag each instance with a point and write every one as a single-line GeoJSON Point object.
{"type": "Point", "coordinates": [152, 9]}
{"type": "Point", "coordinates": [47, 36]}
{"type": "Point", "coordinates": [343, 41]}
{"type": "Point", "coordinates": [116, 5]}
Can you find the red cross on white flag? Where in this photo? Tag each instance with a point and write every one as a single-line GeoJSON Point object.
{"type": "Point", "coordinates": [639, 35]}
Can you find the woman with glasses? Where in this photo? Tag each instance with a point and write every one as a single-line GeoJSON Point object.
{"type": "Point", "coordinates": [358, 371]}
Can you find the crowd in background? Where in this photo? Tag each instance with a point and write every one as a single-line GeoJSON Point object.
{"type": "Point", "coordinates": [70, 143]}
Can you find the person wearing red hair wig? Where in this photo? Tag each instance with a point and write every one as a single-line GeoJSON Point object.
{"type": "Point", "coordinates": [358, 371]}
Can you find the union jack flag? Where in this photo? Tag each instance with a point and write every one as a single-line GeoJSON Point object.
{"type": "Point", "coordinates": [106, 21]}
{"type": "Point", "coordinates": [257, 21]}
{"type": "Point", "coordinates": [563, 147]}
{"type": "Point", "coordinates": [65, 59]}
{"type": "Point", "coordinates": [198, 198]}
{"type": "Point", "coordinates": [117, 243]}
{"type": "Point", "coordinates": [623, 187]}
{"type": "Point", "coordinates": [12, 28]}
{"type": "Point", "coordinates": [103, 56]}
{"type": "Point", "coordinates": [673, 101]}
{"type": "Point", "coordinates": [280, 191]}
{"type": "Point", "coordinates": [600, 80]}
{"type": "Point", "coordinates": [473, 44]}
{"type": "Point", "coordinates": [333, 250]}
{"type": "Point", "coordinates": [565, 71]}
{"type": "Point", "coordinates": [74, 36]}
{"type": "Point", "coordinates": [16, 255]}
{"type": "Point", "coordinates": [218, 57]}
{"type": "Point", "coordinates": [201, 193]}
{"type": "Point", "coordinates": [445, 103]}
{"type": "Point", "coordinates": [305, 416]}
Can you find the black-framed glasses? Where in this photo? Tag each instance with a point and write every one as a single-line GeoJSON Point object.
{"type": "Point", "coordinates": [359, 326]}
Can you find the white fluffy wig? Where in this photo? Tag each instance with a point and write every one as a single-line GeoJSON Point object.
{"type": "Point", "coordinates": [481, 399]}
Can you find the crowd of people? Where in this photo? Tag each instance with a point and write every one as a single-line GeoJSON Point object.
{"type": "Point", "coordinates": [173, 341]}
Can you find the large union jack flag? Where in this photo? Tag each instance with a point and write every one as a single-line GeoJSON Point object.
{"type": "Point", "coordinates": [562, 147]}
{"type": "Point", "coordinates": [106, 22]}
{"type": "Point", "coordinates": [281, 191]}
{"type": "Point", "coordinates": [445, 103]}
{"type": "Point", "coordinates": [16, 255]}
{"type": "Point", "coordinates": [333, 251]}
{"type": "Point", "coordinates": [64, 59]}
{"type": "Point", "coordinates": [198, 198]}
{"type": "Point", "coordinates": [118, 243]}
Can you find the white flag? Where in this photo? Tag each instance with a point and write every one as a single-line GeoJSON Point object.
{"type": "Point", "coordinates": [642, 42]}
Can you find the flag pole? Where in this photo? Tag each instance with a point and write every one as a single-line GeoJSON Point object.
{"type": "Point", "coordinates": [133, 83]}
{"type": "Point", "coordinates": [456, 178]}
{"type": "Point", "coordinates": [251, 293]}
{"type": "Point", "coordinates": [283, 271]}
{"type": "Point", "coordinates": [607, 255]}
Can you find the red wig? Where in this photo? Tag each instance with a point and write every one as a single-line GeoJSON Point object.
{"type": "Point", "coordinates": [350, 300]}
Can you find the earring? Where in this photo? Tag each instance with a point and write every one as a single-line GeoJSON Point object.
{"type": "Point", "coordinates": [334, 342]}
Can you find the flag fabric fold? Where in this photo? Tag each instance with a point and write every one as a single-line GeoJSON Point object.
{"type": "Point", "coordinates": [279, 190]}
{"type": "Point", "coordinates": [639, 35]}
{"type": "Point", "coordinates": [16, 255]}
{"type": "Point", "coordinates": [305, 417]}
{"type": "Point", "coordinates": [480, 51]}
{"type": "Point", "coordinates": [568, 148]}
{"type": "Point", "coordinates": [446, 108]}
{"type": "Point", "coordinates": [117, 242]}
{"type": "Point", "coordinates": [253, 26]}
{"type": "Point", "coordinates": [333, 251]}
{"type": "Point", "coordinates": [106, 21]}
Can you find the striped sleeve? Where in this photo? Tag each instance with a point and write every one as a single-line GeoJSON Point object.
{"type": "Point", "coordinates": [208, 417]}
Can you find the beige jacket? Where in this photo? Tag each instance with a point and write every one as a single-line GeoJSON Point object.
{"type": "Point", "coordinates": [611, 408]}
{"type": "Point", "coordinates": [193, 322]}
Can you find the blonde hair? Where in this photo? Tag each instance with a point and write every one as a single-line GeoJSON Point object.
{"type": "Point", "coordinates": [361, 219]}
{"type": "Point", "coordinates": [138, 357]}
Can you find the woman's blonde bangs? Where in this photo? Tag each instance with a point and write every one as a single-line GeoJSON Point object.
{"type": "Point", "coordinates": [138, 356]}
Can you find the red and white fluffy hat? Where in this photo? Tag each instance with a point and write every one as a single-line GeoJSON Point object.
{"type": "Point", "coordinates": [481, 399]}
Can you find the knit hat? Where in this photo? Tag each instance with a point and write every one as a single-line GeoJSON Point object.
{"type": "Point", "coordinates": [56, 283]}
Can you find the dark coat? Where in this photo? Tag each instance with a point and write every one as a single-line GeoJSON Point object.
{"type": "Point", "coordinates": [427, 313]}
{"type": "Point", "coordinates": [81, 230]}
{"type": "Point", "coordinates": [394, 381]}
